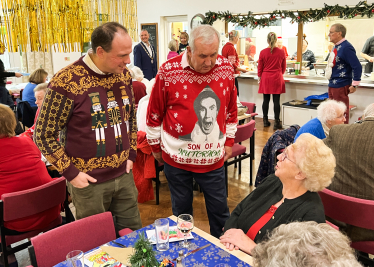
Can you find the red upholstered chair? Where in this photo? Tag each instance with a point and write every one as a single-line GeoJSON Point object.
{"type": "Point", "coordinates": [350, 210]}
{"type": "Point", "coordinates": [251, 108]}
{"type": "Point", "coordinates": [25, 203]}
{"type": "Point", "coordinates": [52, 247]}
{"type": "Point", "coordinates": [244, 132]}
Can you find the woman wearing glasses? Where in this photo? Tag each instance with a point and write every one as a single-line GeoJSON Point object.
{"type": "Point", "coordinates": [329, 113]}
{"type": "Point", "coordinates": [303, 169]}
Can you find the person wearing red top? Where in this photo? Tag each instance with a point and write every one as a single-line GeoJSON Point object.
{"type": "Point", "coordinates": [271, 67]}
{"type": "Point", "coordinates": [229, 52]}
{"type": "Point", "coordinates": [281, 46]}
{"type": "Point", "coordinates": [250, 49]}
{"type": "Point", "coordinates": [287, 196]}
{"type": "Point", "coordinates": [21, 168]}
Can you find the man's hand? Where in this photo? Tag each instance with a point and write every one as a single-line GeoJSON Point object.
{"type": "Point", "coordinates": [18, 74]}
{"type": "Point", "coordinates": [371, 59]}
{"type": "Point", "coordinates": [129, 165]}
{"type": "Point", "coordinates": [228, 152]}
{"type": "Point", "coordinates": [158, 156]}
{"type": "Point", "coordinates": [352, 89]}
{"type": "Point", "coordinates": [82, 179]}
{"type": "Point", "coordinates": [236, 239]}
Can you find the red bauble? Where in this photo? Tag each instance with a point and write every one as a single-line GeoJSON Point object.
{"type": "Point", "coordinates": [355, 15]}
{"type": "Point", "coordinates": [256, 22]}
{"type": "Point", "coordinates": [298, 17]}
{"type": "Point", "coordinates": [214, 17]}
{"type": "Point", "coordinates": [265, 24]}
{"type": "Point", "coordinates": [271, 18]}
{"type": "Point", "coordinates": [372, 11]}
{"type": "Point", "coordinates": [328, 11]}
{"type": "Point", "coordinates": [282, 17]}
{"type": "Point", "coordinates": [229, 17]}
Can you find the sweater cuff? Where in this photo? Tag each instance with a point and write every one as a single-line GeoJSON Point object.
{"type": "Point", "coordinates": [70, 173]}
{"type": "Point", "coordinates": [229, 142]}
{"type": "Point", "coordinates": [132, 155]}
{"type": "Point", "coordinates": [156, 148]}
{"type": "Point", "coordinates": [355, 83]}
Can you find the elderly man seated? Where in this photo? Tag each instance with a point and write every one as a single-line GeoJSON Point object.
{"type": "Point", "coordinates": [329, 113]}
{"type": "Point", "coordinates": [353, 146]}
{"type": "Point", "coordinates": [305, 244]}
{"type": "Point", "coordinates": [289, 195]}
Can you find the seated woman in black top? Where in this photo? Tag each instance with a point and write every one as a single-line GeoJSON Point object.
{"type": "Point", "coordinates": [303, 169]}
{"type": "Point", "coordinates": [5, 97]}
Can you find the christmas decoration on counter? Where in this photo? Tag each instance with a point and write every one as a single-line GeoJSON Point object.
{"type": "Point", "coordinates": [36, 25]}
{"type": "Point", "coordinates": [144, 255]}
{"type": "Point", "coordinates": [311, 15]}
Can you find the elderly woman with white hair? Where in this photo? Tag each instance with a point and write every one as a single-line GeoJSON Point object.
{"type": "Point", "coordinates": [329, 113]}
{"type": "Point", "coordinates": [303, 169]}
{"type": "Point", "coordinates": [138, 86]}
{"type": "Point", "coordinates": [305, 244]}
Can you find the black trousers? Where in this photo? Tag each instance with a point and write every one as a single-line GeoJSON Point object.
{"type": "Point", "coordinates": [276, 102]}
{"type": "Point", "coordinates": [237, 86]}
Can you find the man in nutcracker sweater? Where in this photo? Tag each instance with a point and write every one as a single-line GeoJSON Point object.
{"type": "Point", "coordinates": [86, 101]}
{"type": "Point", "coordinates": [191, 124]}
{"type": "Point", "coordinates": [342, 65]}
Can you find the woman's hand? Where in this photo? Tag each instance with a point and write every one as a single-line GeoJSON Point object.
{"type": "Point", "coordinates": [236, 239]}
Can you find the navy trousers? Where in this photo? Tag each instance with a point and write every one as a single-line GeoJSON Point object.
{"type": "Point", "coordinates": [214, 188]}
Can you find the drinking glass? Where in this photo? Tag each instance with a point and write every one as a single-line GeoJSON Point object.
{"type": "Point", "coordinates": [75, 258]}
{"type": "Point", "coordinates": [162, 234]}
{"type": "Point", "coordinates": [185, 225]}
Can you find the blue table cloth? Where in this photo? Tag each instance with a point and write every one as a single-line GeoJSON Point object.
{"type": "Point", "coordinates": [210, 256]}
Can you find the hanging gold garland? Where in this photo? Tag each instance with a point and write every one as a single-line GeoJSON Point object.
{"type": "Point", "coordinates": [36, 25]}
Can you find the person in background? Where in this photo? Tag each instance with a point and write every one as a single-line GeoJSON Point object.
{"type": "Point", "coordinates": [308, 55]}
{"type": "Point", "coordinates": [139, 76]}
{"type": "Point", "coordinates": [345, 64]}
{"type": "Point", "coordinates": [281, 46]}
{"type": "Point", "coordinates": [138, 87]}
{"type": "Point", "coordinates": [271, 67]}
{"type": "Point", "coordinates": [39, 91]}
{"type": "Point", "coordinates": [305, 244]}
{"type": "Point", "coordinates": [183, 42]}
{"type": "Point", "coordinates": [38, 76]}
{"type": "Point", "coordinates": [141, 111]}
{"type": "Point", "coordinates": [330, 46]}
{"type": "Point", "coordinates": [288, 195]}
{"type": "Point", "coordinates": [329, 113]}
{"type": "Point", "coordinates": [173, 46]}
{"type": "Point", "coordinates": [21, 169]}
{"type": "Point", "coordinates": [353, 147]}
{"type": "Point", "coordinates": [229, 52]}
{"type": "Point", "coordinates": [174, 110]}
{"type": "Point", "coordinates": [250, 49]}
{"type": "Point", "coordinates": [145, 56]}
{"type": "Point", "coordinates": [368, 54]}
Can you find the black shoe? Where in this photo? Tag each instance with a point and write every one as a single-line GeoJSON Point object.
{"type": "Point", "coordinates": [277, 125]}
{"type": "Point", "coordinates": [266, 122]}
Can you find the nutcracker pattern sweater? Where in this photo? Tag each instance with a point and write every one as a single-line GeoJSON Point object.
{"type": "Point", "coordinates": [96, 116]}
{"type": "Point", "coordinates": [192, 116]}
{"type": "Point", "coordinates": [345, 65]}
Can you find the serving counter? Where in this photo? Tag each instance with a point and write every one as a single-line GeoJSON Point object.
{"type": "Point", "coordinates": [300, 86]}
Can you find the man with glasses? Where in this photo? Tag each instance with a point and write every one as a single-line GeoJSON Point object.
{"type": "Point", "coordinates": [345, 64]}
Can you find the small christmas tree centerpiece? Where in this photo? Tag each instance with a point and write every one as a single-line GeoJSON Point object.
{"type": "Point", "coordinates": [144, 255]}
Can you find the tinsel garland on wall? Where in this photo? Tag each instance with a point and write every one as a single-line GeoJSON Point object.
{"type": "Point", "coordinates": [37, 24]}
{"type": "Point", "coordinates": [311, 15]}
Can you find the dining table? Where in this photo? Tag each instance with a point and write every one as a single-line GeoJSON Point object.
{"type": "Point", "coordinates": [215, 254]}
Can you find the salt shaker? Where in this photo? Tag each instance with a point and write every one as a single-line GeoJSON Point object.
{"type": "Point", "coordinates": [180, 259]}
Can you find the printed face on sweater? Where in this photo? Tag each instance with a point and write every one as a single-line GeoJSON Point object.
{"type": "Point", "coordinates": [204, 57]}
{"type": "Point", "coordinates": [207, 114]}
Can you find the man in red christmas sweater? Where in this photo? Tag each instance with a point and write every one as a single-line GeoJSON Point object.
{"type": "Point", "coordinates": [92, 103]}
{"type": "Point", "coordinates": [191, 124]}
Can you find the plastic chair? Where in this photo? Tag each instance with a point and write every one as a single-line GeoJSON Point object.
{"type": "Point", "coordinates": [25, 203]}
{"type": "Point", "coordinates": [51, 248]}
{"type": "Point", "coordinates": [243, 133]}
{"type": "Point", "coordinates": [350, 210]}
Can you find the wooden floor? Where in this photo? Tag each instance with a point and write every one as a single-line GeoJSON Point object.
{"type": "Point", "coordinates": [238, 186]}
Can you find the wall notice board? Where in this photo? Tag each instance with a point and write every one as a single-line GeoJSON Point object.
{"type": "Point", "coordinates": [152, 29]}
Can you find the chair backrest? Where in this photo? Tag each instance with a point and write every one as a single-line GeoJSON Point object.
{"type": "Point", "coordinates": [51, 247]}
{"type": "Point", "coordinates": [251, 106]}
{"type": "Point", "coordinates": [32, 201]}
{"type": "Point", "coordinates": [351, 210]}
{"type": "Point", "coordinates": [26, 113]}
{"type": "Point", "coordinates": [244, 131]}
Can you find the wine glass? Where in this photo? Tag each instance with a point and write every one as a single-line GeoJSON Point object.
{"type": "Point", "coordinates": [185, 225]}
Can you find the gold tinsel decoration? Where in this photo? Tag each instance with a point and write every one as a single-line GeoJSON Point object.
{"type": "Point", "coordinates": [64, 25]}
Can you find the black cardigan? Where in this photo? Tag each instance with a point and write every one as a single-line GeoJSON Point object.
{"type": "Point", "coordinates": [4, 74]}
{"type": "Point", "coordinates": [307, 207]}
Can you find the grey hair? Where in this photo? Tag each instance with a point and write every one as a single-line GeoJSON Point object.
{"type": "Point", "coordinates": [329, 110]}
{"type": "Point", "coordinates": [40, 87]}
{"type": "Point", "coordinates": [305, 244]}
{"type": "Point", "coordinates": [138, 73]}
{"type": "Point", "coordinates": [369, 111]}
{"type": "Point", "coordinates": [340, 28]}
{"type": "Point", "coordinates": [173, 45]}
{"type": "Point", "coordinates": [206, 32]}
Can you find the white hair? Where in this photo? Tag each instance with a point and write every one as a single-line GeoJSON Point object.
{"type": "Point", "coordinates": [206, 32]}
{"type": "Point", "coordinates": [138, 73]}
{"type": "Point", "coordinates": [369, 111]}
{"type": "Point", "coordinates": [329, 110]}
{"type": "Point", "coordinates": [305, 244]}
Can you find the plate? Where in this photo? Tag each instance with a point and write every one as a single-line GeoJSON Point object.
{"type": "Point", "coordinates": [174, 235]}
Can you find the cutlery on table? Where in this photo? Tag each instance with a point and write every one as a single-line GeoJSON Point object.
{"type": "Point", "coordinates": [193, 251]}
